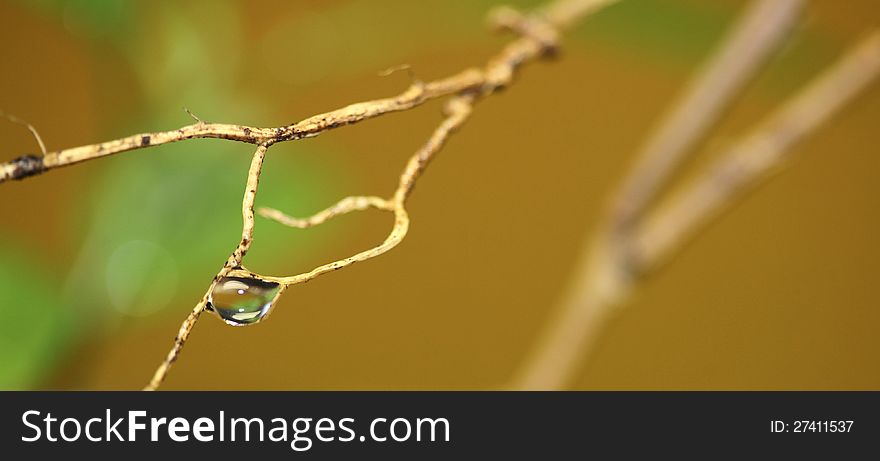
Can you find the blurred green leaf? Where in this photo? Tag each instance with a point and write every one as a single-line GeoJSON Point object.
{"type": "Point", "coordinates": [33, 327]}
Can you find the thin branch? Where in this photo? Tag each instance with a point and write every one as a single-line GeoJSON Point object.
{"type": "Point", "coordinates": [415, 95]}
{"type": "Point", "coordinates": [247, 206]}
{"type": "Point", "coordinates": [346, 205]}
{"type": "Point", "coordinates": [233, 263]}
{"type": "Point", "coordinates": [179, 340]}
{"type": "Point", "coordinates": [192, 115]}
{"type": "Point", "coordinates": [538, 38]}
{"type": "Point", "coordinates": [458, 110]}
{"type": "Point", "coordinates": [497, 74]}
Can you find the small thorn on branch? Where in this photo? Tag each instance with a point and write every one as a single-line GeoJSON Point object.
{"type": "Point", "coordinates": [393, 69]}
{"type": "Point", "coordinates": [414, 81]}
{"type": "Point", "coordinates": [194, 116]}
{"type": "Point", "coordinates": [14, 119]}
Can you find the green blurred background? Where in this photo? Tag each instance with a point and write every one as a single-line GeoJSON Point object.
{"type": "Point", "coordinates": [102, 261]}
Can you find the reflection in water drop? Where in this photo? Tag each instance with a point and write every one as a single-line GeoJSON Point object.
{"type": "Point", "coordinates": [241, 300]}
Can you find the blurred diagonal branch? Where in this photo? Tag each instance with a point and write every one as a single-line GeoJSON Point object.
{"type": "Point", "coordinates": [604, 273]}
{"type": "Point", "coordinates": [758, 34]}
{"type": "Point", "coordinates": [750, 160]}
{"type": "Point", "coordinates": [628, 245]}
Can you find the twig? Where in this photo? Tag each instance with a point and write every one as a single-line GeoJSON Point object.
{"type": "Point", "coordinates": [192, 115]}
{"type": "Point", "coordinates": [610, 266]}
{"type": "Point", "coordinates": [415, 95]}
{"type": "Point", "coordinates": [459, 109]}
{"type": "Point", "coordinates": [346, 205]}
{"type": "Point", "coordinates": [560, 14]}
{"type": "Point", "coordinates": [538, 35]}
{"type": "Point", "coordinates": [233, 264]}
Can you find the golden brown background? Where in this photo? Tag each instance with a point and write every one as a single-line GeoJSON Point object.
{"type": "Point", "coordinates": [103, 260]}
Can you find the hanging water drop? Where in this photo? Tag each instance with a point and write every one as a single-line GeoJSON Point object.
{"type": "Point", "coordinates": [243, 300]}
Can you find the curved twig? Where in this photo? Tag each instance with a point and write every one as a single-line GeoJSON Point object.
{"type": "Point", "coordinates": [537, 39]}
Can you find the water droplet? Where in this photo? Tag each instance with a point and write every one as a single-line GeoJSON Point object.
{"type": "Point", "coordinates": [243, 300]}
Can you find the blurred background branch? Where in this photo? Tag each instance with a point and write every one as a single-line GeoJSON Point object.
{"type": "Point", "coordinates": [625, 248]}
